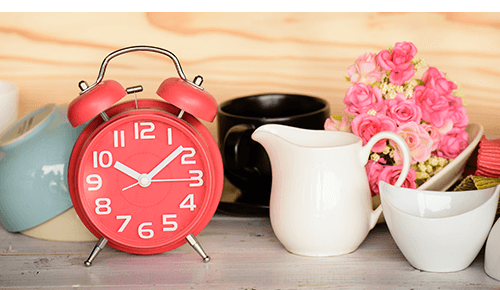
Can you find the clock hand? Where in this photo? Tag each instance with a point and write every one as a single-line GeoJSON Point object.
{"type": "Point", "coordinates": [130, 172]}
{"type": "Point", "coordinates": [127, 170]}
{"type": "Point", "coordinates": [165, 162]}
{"type": "Point", "coordinates": [173, 179]}
{"type": "Point", "coordinates": [145, 180]}
{"type": "Point", "coordinates": [130, 186]}
{"type": "Point", "coordinates": [198, 178]}
{"type": "Point", "coordinates": [163, 180]}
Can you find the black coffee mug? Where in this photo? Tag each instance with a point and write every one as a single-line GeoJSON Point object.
{"type": "Point", "coordinates": [246, 163]}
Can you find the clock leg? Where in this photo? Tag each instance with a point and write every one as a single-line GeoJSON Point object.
{"type": "Point", "coordinates": [197, 247]}
{"type": "Point", "coordinates": [97, 249]}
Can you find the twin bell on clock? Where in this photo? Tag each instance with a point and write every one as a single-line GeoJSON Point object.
{"type": "Point", "coordinates": [145, 176]}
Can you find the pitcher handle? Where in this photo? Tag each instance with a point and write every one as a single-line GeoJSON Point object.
{"type": "Point", "coordinates": [365, 153]}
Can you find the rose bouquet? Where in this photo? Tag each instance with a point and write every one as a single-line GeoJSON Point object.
{"type": "Point", "coordinates": [427, 111]}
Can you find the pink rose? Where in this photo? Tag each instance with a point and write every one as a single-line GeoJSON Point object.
{"type": "Point", "coordinates": [344, 125]}
{"type": "Point", "coordinates": [436, 80]}
{"type": "Point", "coordinates": [418, 140]}
{"type": "Point", "coordinates": [446, 128]}
{"type": "Point", "coordinates": [408, 47]}
{"type": "Point", "coordinates": [398, 62]}
{"type": "Point", "coordinates": [360, 98]}
{"type": "Point", "coordinates": [453, 100]}
{"type": "Point", "coordinates": [373, 170]}
{"type": "Point", "coordinates": [365, 70]}
{"type": "Point", "coordinates": [432, 74]}
{"type": "Point", "coordinates": [434, 133]}
{"type": "Point", "coordinates": [453, 144]}
{"type": "Point", "coordinates": [459, 118]}
{"type": "Point", "coordinates": [390, 174]}
{"type": "Point", "coordinates": [434, 106]}
{"type": "Point", "coordinates": [366, 126]}
{"type": "Point", "coordinates": [403, 110]}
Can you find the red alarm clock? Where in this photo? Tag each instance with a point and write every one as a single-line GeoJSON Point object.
{"type": "Point", "coordinates": [145, 176]}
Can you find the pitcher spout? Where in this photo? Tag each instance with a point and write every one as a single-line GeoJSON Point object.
{"type": "Point", "coordinates": [271, 136]}
{"type": "Point", "coordinates": [282, 135]}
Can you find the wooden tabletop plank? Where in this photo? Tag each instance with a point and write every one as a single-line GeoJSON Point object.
{"type": "Point", "coordinates": [245, 254]}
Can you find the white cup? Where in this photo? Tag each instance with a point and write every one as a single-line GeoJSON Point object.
{"type": "Point", "coordinates": [8, 105]}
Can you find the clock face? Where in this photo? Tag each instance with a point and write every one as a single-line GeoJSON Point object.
{"type": "Point", "coordinates": [144, 181]}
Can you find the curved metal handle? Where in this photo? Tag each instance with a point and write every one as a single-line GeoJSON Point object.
{"type": "Point", "coordinates": [84, 87]}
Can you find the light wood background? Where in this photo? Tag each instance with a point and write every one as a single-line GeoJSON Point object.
{"type": "Point", "coordinates": [46, 54]}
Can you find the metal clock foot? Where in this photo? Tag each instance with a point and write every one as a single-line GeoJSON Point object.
{"type": "Point", "coordinates": [97, 249]}
{"type": "Point", "coordinates": [197, 247]}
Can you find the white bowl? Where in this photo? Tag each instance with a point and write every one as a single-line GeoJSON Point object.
{"type": "Point", "coordinates": [439, 231]}
{"type": "Point", "coordinates": [445, 178]}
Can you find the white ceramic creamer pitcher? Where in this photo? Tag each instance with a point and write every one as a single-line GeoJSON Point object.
{"type": "Point", "coordinates": [320, 197]}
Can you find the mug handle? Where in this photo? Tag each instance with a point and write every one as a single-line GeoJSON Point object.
{"type": "Point", "coordinates": [365, 153]}
{"type": "Point", "coordinates": [237, 149]}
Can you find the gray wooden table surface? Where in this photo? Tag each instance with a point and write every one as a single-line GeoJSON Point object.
{"type": "Point", "coordinates": [245, 255]}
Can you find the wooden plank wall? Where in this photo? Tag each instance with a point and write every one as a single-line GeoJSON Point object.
{"type": "Point", "coordinates": [46, 54]}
